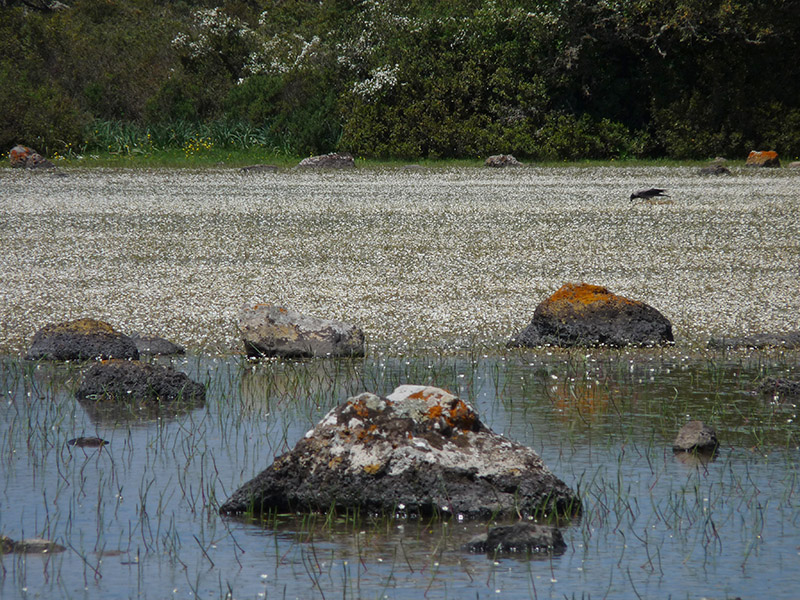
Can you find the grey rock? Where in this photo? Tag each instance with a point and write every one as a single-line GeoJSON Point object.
{"type": "Point", "coordinates": [81, 339]}
{"type": "Point", "coordinates": [500, 161]}
{"type": "Point", "coordinates": [715, 170]}
{"type": "Point", "coordinates": [696, 436]}
{"type": "Point", "coordinates": [37, 161]}
{"type": "Point", "coordinates": [419, 452]}
{"type": "Point", "coordinates": [333, 160]}
{"type": "Point", "coordinates": [271, 330]}
{"type": "Point", "coordinates": [256, 169]}
{"type": "Point", "coordinates": [151, 345]}
{"type": "Point", "coordinates": [520, 538]}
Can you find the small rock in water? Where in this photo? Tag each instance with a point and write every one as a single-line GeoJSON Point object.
{"type": "Point", "coordinates": [151, 345]}
{"type": "Point", "coordinates": [520, 538]}
{"type": "Point", "coordinates": [696, 436]}
{"type": "Point", "coordinates": [87, 442]}
{"type": "Point", "coordinates": [133, 381]}
{"type": "Point", "coordinates": [29, 546]}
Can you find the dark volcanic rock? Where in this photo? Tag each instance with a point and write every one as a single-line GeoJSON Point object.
{"type": "Point", "coordinates": [270, 330]}
{"type": "Point", "coordinates": [419, 452]}
{"type": "Point", "coordinates": [133, 381]}
{"type": "Point", "coordinates": [779, 387]}
{"type": "Point", "coordinates": [82, 339]}
{"type": "Point", "coordinates": [87, 442]}
{"type": "Point", "coordinates": [521, 538]}
{"type": "Point", "coordinates": [590, 315]}
{"type": "Point", "coordinates": [328, 161]}
{"type": "Point", "coordinates": [149, 344]}
{"type": "Point", "coordinates": [788, 339]}
{"type": "Point", "coordinates": [695, 436]}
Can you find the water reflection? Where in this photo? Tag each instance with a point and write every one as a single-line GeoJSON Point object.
{"type": "Point", "coordinates": [655, 523]}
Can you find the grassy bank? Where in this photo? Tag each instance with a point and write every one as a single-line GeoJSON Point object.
{"type": "Point", "coordinates": [210, 157]}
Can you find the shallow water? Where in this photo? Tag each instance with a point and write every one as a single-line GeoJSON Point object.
{"type": "Point", "coordinates": [139, 516]}
{"type": "Point", "coordinates": [417, 258]}
{"type": "Point", "coordinates": [440, 268]}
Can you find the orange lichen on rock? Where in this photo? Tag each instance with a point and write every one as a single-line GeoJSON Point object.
{"type": "Point", "coordinates": [462, 416]}
{"type": "Point", "coordinates": [766, 158]}
{"type": "Point", "coordinates": [84, 326]}
{"type": "Point", "coordinates": [585, 293]}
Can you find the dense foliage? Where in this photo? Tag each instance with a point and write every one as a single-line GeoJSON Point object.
{"type": "Point", "coordinates": [547, 79]}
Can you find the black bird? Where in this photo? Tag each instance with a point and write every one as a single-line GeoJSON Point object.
{"type": "Point", "coordinates": [647, 194]}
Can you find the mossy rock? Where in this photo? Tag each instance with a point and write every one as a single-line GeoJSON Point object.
{"type": "Point", "coordinates": [81, 339]}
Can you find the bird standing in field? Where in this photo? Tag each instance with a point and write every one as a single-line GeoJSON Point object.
{"type": "Point", "coordinates": [647, 194]}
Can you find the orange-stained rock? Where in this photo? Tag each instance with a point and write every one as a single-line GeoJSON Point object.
{"type": "Point", "coordinates": [767, 158]}
{"type": "Point", "coordinates": [590, 315]}
{"type": "Point", "coordinates": [18, 155]}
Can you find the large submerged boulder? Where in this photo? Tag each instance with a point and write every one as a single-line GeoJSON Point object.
{"type": "Point", "coordinates": [590, 315]}
{"type": "Point", "coordinates": [270, 330]}
{"type": "Point", "coordinates": [420, 451]}
{"type": "Point", "coordinates": [81, 339]}
{"type": "Point", "coordinates": [142, 383]}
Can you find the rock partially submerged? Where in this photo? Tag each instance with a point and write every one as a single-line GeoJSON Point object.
{"type": "Point", "coordinates": [590, 315]}
{"type": "Point", "coordinates": [696, 436]}
{"type": "Point", "coordinates": [781, 388]}
{"type": "Point", "coordinates": [270, 330]}
{"type": "Point", "coordinates": [154, 345]}
{"type": "Point", "coordinates": [421, 451]}
{"type": "Point", "coordinates": [29, 546]}
{"type": "Point", "coordinates": [333, 160]}
{"type": "Point", "coordinates": [81, 339]}
{"type": "Point", "coordinates": [134, 381]}
{"type": "Point", "coordinates": [787, 339]}
{"type": "Point", "coordinates": [87, 442]}
{"type": "Point", "coordinates": [520, 538]}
